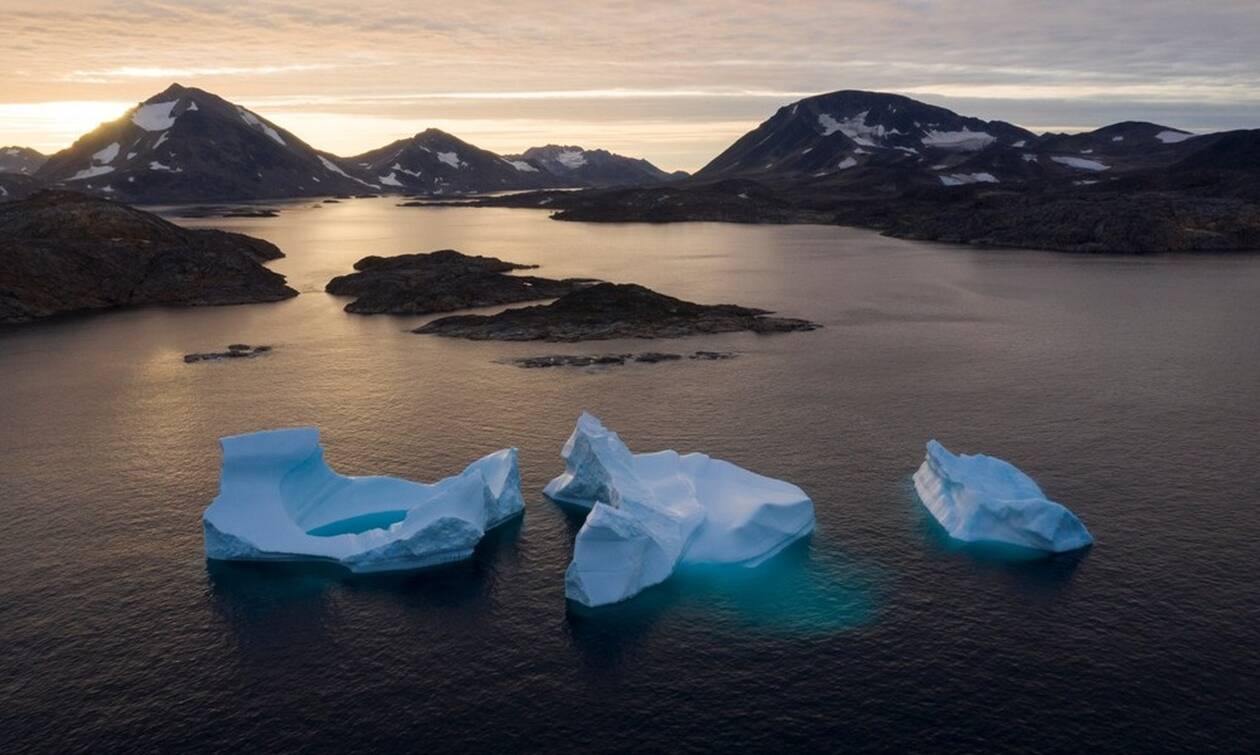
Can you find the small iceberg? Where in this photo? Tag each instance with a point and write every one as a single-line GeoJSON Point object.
{"type": "Point", "coordinates": [279, 501]}
{"type": "Point", "coordinates": [983, 499]}
{"type": "Point", "coordinates": [650, 512]}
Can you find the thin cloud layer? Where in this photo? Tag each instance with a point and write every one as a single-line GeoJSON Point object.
{"type": "Point", "coordinates": [610, 73]}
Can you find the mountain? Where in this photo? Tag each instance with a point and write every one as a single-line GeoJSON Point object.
{"type": "Point", "coordinates": [185, 144]}
{"type": "Point", "coordinates": [435, 162]}
{"type": "Point", "coordinates": [69, 252]}
{"type": "Point", "coordinates": [575, 166]}
{"type": "Point", "coordinates": [879, 142]}
{"type": "Point", "coordinates": [22, 160]}
{"type": "Point", "coordinates": [848, 130]}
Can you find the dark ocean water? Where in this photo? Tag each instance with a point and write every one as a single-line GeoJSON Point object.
{"type": "Point", "coordinates": [1128, 388]}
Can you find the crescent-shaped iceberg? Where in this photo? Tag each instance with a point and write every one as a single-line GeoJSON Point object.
{"type": "Point", "coordinates": [650, 512]}
{"type": "Point", "coordinates": [279, 501]}
{"type": "Point", "coordinates": [983, 499]}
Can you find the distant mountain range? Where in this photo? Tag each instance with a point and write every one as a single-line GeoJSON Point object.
{"type": "Point", "coordinates": [914, 170]}
{"type": "Point", "coordinates": [185, 144]}
{"type": "Point", "coordinates": [849, 157]}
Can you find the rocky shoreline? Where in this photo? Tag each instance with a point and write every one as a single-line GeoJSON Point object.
{"type": "Point", "coordinates": [67, 252]}
{"type": "Point", "coordinates": [1081, 219]}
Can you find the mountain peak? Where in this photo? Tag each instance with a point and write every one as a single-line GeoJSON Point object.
{"type": "Point", "coordinates": [849, 128]}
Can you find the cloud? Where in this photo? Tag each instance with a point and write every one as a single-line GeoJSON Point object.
{"type": "Point", "coordinates": [133, 72]}
{"type": "Point", "coordinates": [645, 62]}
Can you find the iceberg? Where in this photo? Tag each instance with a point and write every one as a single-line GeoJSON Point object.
{"type": "Point", "coordinates": [650, 512]}
{"type": "Point", "coordinates": [981, 499]}
{"type": "Point", "coordinates": [279, 501]}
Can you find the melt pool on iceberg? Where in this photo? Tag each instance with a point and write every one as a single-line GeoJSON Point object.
{"type": "Point", "coordinates": [650, 512]}
{"type": "Point", "coordinates": [984, 499]}
{"type": "Point", "coordinates": [279, 501]}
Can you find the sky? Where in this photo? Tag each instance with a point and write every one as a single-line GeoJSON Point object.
{"type": "Point", "coordinates": [674, 82]}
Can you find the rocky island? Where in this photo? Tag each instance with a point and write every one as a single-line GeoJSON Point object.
{"type": "Point", "coordinates": [67, 252]}
{"type": "Point", "coordinates": [612, 310]}
{"type": "Point", "coordinates": [441, 281]}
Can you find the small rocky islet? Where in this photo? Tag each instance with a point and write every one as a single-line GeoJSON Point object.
{"type": "Point", "coordinates": [234, 351]}
{"type": "Point", "coordinates": [442, 281]}
{"type": "Point", "coordinates": [612, 310]}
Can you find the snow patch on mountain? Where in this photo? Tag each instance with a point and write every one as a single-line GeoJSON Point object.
{"type": "Point", "coordinates": [847, 163]}
{"type": "Point", "coordinates": [1173, 137]}
{"type": "Point", "coordinates": [855, 128]}
{"type": "Point", "coordinates": [256, 122]}
{"type": "Point", "coordinates": [522, 166]}
{"type": "Point", "coordinates": [451, 159]}
{"type": "Point", "coordinates": [961, 179]}
{"type": "Point", "coordinates": [1079, 163]}
{"type": "Point", "coordinates": [965, 140]}
{"type": "Point", "coordinates": [390, 180]}
{"type": "Point", "coordinates": [106, 155]}
{"type": "Point", "coordinates": [92, 172]}
{"type": "Point", "coordinates": [330, 165]}
{"type": "Point", "coordinates": [155, 116]}
{"type": "Point", "coordinates": [571, 159]}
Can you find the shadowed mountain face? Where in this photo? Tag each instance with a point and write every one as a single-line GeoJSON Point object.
{"type": "Point", "coordinates": [67, 252]}
{"type": "Point", "coordinates": [185, 144]}
{"type": "Point", "coordinates": [574, 166]}
{"type": "Point", "coordinates": [23, 160]}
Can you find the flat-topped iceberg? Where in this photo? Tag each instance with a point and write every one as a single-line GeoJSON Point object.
{"type": "Point", "coordinates": [983, 499]}
{"type": "Point", "coordinates": [650, 512]}
{"type": "Point", "coordinates": [279, 501]}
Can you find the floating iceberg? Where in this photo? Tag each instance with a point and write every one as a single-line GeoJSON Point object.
{"type": "Point", "coordinates": [983, 499]}
{"type": "Point", "coordinates": [650, 512]}
{"type": "Point", "coordinates": [279, 501]}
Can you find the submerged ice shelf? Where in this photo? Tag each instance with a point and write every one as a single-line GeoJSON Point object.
{"type": "Point", "coordinates": [651, 512]}
{"type": "Point", "coordinates": [981, 499]}
{"type": "Point", "coordinates": [279, 501]}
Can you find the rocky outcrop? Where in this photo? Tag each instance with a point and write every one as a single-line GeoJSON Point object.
{"type": "Point", "coordinates": [609, 310]}
{"type": "Point", "coordinates": [441, 281]}
{"type": "Point", "coordinates": [234, 351]}
{"type": "Point", "coordinates": [64, 252]}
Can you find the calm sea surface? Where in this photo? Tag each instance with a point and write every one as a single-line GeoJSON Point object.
{"type": "Point", "coordinates": [1129, 388]}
